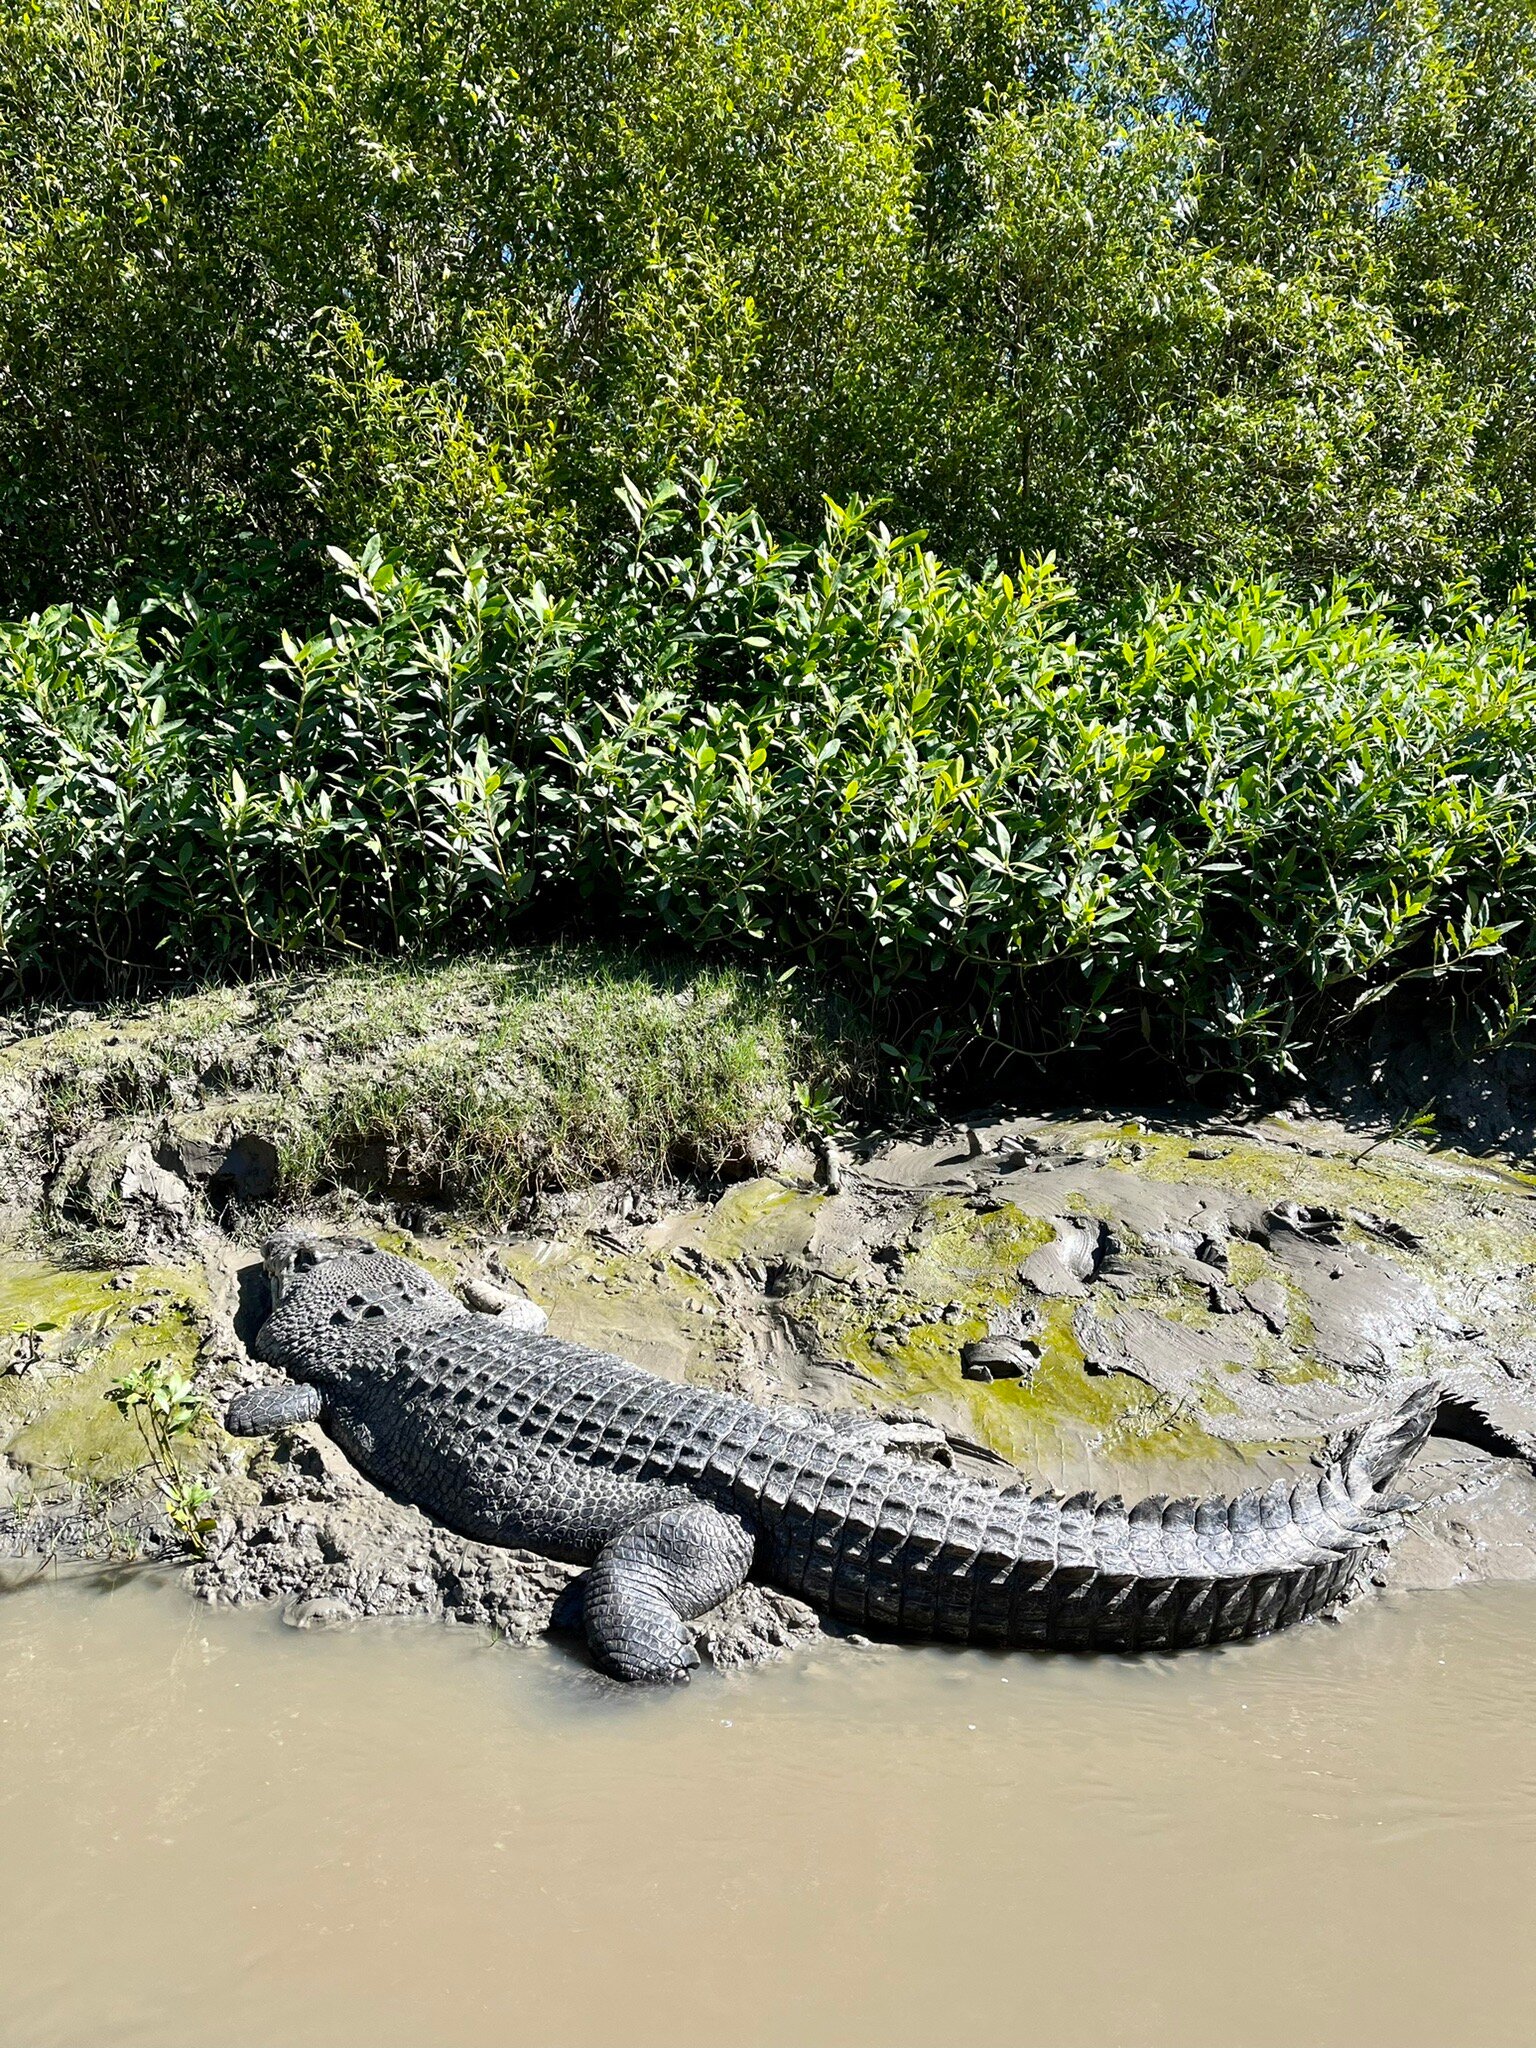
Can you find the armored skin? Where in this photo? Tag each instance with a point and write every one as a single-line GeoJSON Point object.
{"type": "Point", "coordinates": [673, 1494]}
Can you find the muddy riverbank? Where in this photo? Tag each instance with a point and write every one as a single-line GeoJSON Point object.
{"type": "Point", "coordinates": [367, 1833]}
{"type": "Point", "coordinates": [1130, 1304]}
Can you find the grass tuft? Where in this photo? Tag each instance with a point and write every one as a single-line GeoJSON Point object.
{"type": "Point", "coordinates": [476, 1081]}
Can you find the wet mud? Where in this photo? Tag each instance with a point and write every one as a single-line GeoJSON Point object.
{"type": "Point", "coordinates": [1134, 1307]}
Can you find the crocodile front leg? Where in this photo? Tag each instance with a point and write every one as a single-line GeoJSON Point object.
{"type": "Point", "coordinates": [662, 1572]}
{"type": "Point", "coordinates": [267, 1409]}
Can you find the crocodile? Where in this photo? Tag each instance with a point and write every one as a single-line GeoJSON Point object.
{"type": "Point", "coordinates": [672, 1494]}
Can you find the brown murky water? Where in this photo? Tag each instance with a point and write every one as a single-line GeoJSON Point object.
{"type": "Point", "coordinates": [219, 1830]}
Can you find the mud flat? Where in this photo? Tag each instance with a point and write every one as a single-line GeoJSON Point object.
{"type": "Point", "coordinates": [1129, 1304]}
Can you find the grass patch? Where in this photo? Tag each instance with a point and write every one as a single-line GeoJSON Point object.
{"type": "Point", "coordinates": [477, 1081]}
{"type": "Point", "coordinates": [483, 1080]}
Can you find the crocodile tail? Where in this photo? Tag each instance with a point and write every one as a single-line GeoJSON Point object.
{"type": "Point", "coordinates": [1369, 1457]}
{"type": "Point", "coordinates": [1319, 1538]}
{"type": "Point", "coordinates": [1173, 1574]}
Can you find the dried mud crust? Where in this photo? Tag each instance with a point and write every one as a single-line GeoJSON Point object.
{"type": "Point", "coordinates": [1136, 1306]}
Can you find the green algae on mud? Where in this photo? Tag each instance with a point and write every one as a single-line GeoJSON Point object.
{"type": "Point", "coordinates": [1061, 1419]}
{"type": "Point", "coordinates": [1277, 1343]}
{"type": "Point", "coordinates": [763, 1218]}
{"type": "Point", "coordinates": [1463, 1210]}
{"type": "Point", "coordinates": [964, 1268]}
{"type": "Point", "coordinates": [82, 1332]}
{"type": "Point", "coordinates": [645, 1308]}
{"type": "Point", "coordinates": [983, 1249]}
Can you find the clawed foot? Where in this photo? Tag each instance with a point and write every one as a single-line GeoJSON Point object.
{"type": "Point", "coordinates": [650, 1581]}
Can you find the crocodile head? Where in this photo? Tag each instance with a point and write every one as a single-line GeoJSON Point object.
{"type": "Point", "coordinates": [292, 1252]}
{"type": "Point", "coordinates": [333, 1297]}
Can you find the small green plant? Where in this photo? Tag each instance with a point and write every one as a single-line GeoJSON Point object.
{"type": "Point", "coordinates": [166, 1409]}
{"type": "Point", "coordinates": [1416, 1124]}
{"type": "Point", "coordinates": [819, 1109]}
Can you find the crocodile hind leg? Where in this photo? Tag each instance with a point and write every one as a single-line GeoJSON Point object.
{"type": "Point", "coordinates": [662, 1572]}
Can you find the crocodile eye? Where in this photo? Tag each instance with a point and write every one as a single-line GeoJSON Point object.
{"type": "Point", "coordinates": [371, 1311]}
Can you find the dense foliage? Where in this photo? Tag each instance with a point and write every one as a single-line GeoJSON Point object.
{"type": "Point", "coordinates": [1214, 825]}
{"type": "Point", "coordinates": [1167, 288]}
{"type": "Point", "coordinates": [1175, 331]}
